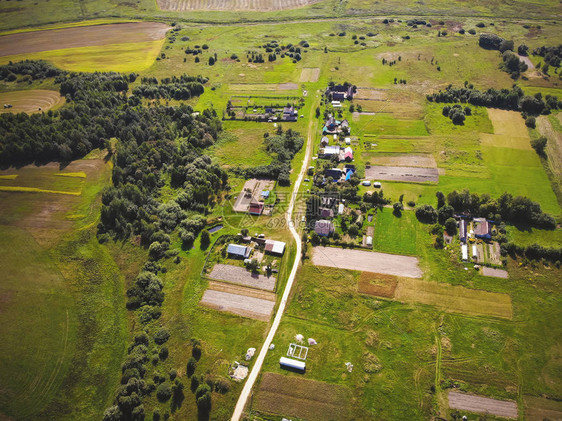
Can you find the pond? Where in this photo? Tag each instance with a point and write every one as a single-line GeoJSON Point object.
{"type": "Point", "coordinates": [215, 228]}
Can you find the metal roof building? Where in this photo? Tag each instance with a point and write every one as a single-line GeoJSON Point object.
{"type": "Point", "coordinates": [290, 364]}
{"type": "Point", "coordinates": [236, 250]}
{"type": "Point", "coordinates": [275, 247]}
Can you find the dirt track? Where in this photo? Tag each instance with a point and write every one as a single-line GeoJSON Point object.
{"type": "Point", "coordinates": [85, 36]}
{"type": "Point", "coordinates": [479, 404]}
{"type": "Point", "coordinates": [411, 174]}
{"type": "Point", "coordinates": [367, 261]}
{"type": "Point", "coordinates": [240, 276]}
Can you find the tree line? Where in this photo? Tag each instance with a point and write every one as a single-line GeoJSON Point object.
{"type": "Point", "coordinates": [178, 88]}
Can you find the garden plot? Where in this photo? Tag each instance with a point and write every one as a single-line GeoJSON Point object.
{"type": "Point", "coordinates": [405, 160]}
{"type": "Point", "coordinates": [86, 36]}
{"type": "Point", "coordinates": [367, 261]}
{"type": "Point", "coordinates": [242, 276]}
{"type": "Point", "coordinates": [310, 74]}
{"type": "Point", "coordinates": [307, 399]}
{"type": "Point", "coordinates": [479, 404]}
{"type": "Point", "coordinates": [256, 5]}
{"type": "Point", "coordinates": [494, 273]}
{"type": "Point", "coordinates": [240, 303]}
{"type": "Point", "coordinates": [407, 174]}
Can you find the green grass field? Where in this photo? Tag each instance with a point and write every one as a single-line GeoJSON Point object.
{"type": "Point", "coordinates": [396, 234]}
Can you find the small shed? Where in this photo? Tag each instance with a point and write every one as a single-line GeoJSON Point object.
{"type": "Point", "coordinates": [377, 185]}
{"type": "Point", "coordinates": [474, 251]}
{"type": "Point", "coordinates": [275, 247]}
{"type": "Point", "coordinates": [292, 365]}
{"type": "Point", "coordinates": [464, 252]}
{"type": "Point", "coordinates": [265, 194]}
{"type": "Point", "coordinates": [369, 241]}
{"type": "Point", "coordinates": [324, 141]}
{"type": "Point", "coordinates": [341, 208]}
{"type": "Point", "coordinates": [348, 141]}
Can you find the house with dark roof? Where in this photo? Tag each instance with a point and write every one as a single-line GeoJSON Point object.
{"type": "Point", "coordinates": [324, 228]}
{"type": "Point", "coordinates": [482, 228]}
{"type": "Point", "coordinates": [462, 230]}
{"type": "Point", "coordinates": [237, 251]}
{"type": "Point", "coordinates": [256, 208]}
{"type": "Point", "coordinates": [289, 114]}
{"type": "Point", "coordinates": [326, 213]}
{"type": "Point", "coordinates": [324, 142]}
{"type": "Point", "coordinates": [335, 173]}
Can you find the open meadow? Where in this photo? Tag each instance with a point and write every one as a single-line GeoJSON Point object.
{"type": "Point", "coordinates": [404, 329]}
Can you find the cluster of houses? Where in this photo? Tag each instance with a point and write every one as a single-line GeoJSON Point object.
{"type": "Point", "coordinates": [469, 231]}
{"type": "Point", "coordinates": [256, 208]}
{"type": "Point", "coordinates": [270, 114]}
{"type": "Point", "coordinates": [329, 206]}
{"type": "Point", "coordinates": [340, 92]}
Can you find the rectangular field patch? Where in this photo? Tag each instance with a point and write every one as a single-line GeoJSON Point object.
{"type": "Point", "coordinates": [377, 285]}
{"type": "Point", "coordinates": [539, 409]}
{"type": "Point", "coordinates": [482, 405]}
{"type": "Point", "coordinates": [241, 276]}
{"type": "Point", "coordinates": [406, 174]}
{"type": "Point", "coordinates": [454, 298]}
{"type": "Point", "coordinates": [312, 400]}
{"type": "Point", "coordinates": [367, 261]}
{"type": "Point", "coordinates": [310, 74]}
{"type": "Point", "coordinates": [242, 305]}
{"type": "Point", "coordinates": [404, 160]}
{"type": "Point", "coordinates": [494, 273]}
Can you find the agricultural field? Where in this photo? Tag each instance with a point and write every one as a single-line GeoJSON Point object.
{"type": "Point", "coordinates": [403, 331]}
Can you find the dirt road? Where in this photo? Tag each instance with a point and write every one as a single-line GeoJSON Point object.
{"type": "Point", "coordinates": [243, 398]}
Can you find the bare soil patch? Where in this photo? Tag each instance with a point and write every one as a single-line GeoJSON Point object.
{"type": "Point", "coordinates": [495, 273]}
{"type": "Point", "coordinates": [378, 285]}
{"type": "Point", "coordinates": [33, 101]}
{"type": "Point", "coordinates": [287, 86]}
{"type": "Point", "coordinates": [310, 74]}
{"type": "Point", "coordinates": [479, 404]}
{"type": "Point", "coordinates": [402, 160]}
{"type": "Point", "coordinates": [307, 399]}
{"type": "Point", "coordinates": [86, 36]}
{"type": "Point", "coordinates": [409, 174]}
{"type": "Point", "coordinates": [367, 261]}
{"type": "Point", "coordinates": [239, 290]}
{"type": "Point", "coordinates": [241, 276]}
{"type": "Point", "coordinates": [527, 61]}
{"type": "Point", "coordinates": [242, 305]}
{"type": "Point", "coordinates": [256, 5]}
{"type": "Point", "coordinates": [251, 193]}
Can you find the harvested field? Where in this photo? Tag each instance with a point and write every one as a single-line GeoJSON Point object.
{"type": "Point", "coordinates": [553, 146]}
{"type": "Point", "coordinates": [402, 160]}
{"type": "Point", "coordinates": [307, 399]}
{"type": "Point", "coordinates": [454, 298]}
{"type": "Point", "coordinates": [367, 261]}
{"type": "Point", "coordinates": [495, 273]}
{"type": "Point", "coordinates": [539, 409]}
{"type": "Point", "coordinates": [86, 36]}
{"type": "Point", "coordinates": [407, 174]}
{"type": "Point", "coordinates": [378, 285]}
{"type": "Point", "coordinates": [259, 5]}
{"type": "Point", "coordinates": [242, 305]}
{"type": "Point", "coordinates": [509, 130]}
{"type": "Point", "coordinates": [32, 101]}
{"type": "Point", "coordinates": [309, 74]}
{"type": "Point", "coordinates": [251, 193]}
{"type": "Point", "coordinates": [238, 290]}
{"type": "Point", "coordinates": [479, 404]}
{"type": "Point", "coordinates": [370, 94]}
{"type": "Point", "coordinates": [241, 276]}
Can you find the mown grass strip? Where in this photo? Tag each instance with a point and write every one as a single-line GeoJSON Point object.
{"type": "Point", "coordinates": [36, 190]}
{"type": "Point", "coordinates": [8, 177]}
{"type": "Point", "coordinates": [80, 174]}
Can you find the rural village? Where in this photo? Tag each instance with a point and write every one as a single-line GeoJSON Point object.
{"type": "Point", "coordinates": [306, 210]}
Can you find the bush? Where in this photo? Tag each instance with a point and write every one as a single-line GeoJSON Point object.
{"type": "Point", "coordinates": [539, 145]}
{"type": "Point", "coordinates": [530, 122]}
{"type": "Point", "coordinates": [490, 41]}
{"type": "Point", "coordinates": [451, 226]}
{"type": "Point", "coordinates": [472, 31]}
{"type": "Point", "coordinates": [191, 366]}
{"type": "Point", "coordinates": [163, 392]}
{"type": "Point", "coordinates": [426, 214]}
{"type": "Point", "coordinates": [161, 336]}
{"type": "Point", "coordinates": [196, 351]}
{"type": "Point", "coordinates": [411, 203]}
{"type": "Point", "coordinates": [163, 354]}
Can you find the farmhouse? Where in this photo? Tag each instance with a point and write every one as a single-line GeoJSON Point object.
{"type": "Point", "coordinates": [275, 247]}
{"type": "Point", "coordinates": [256, 208]}
{"type": "Point", "coordinates": [340, 92]}
{"type": "Point", "coordinates": [326, 213]}
{"type": "Point", "coordinates": [324, 228]}
{"type": "Point", "coordinates": [289, 114]}
{"type": "Point", "coordinates": [324, 142]}
{"type": "Point", "coordinates": [482, 229]}
{"type": "Point", "coordinates": [237, 251]}
{"type": "Point", "coordinates": [348, 154]}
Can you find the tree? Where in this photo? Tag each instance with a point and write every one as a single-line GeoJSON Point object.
{"type": "Point", "coordinates": [163, 392]}
{"type": "Point", "coordinates": [451, 226]}
{"type": "Point", "coordinates": [530, 122]}
{"type": "Point", "coordinates": [426, 214]}
{"type": "Point", "coordinates": [191, 366]}
{"type": "Point", "coordinates": [444, 213]}
{"type": "Point", "coordinates": [397, 208]}
{"type": "Point", "coordinates": [440, 199]}
{"type": "Point", "coordinates": [205, 239]}
{"type": "Point", "coordinates": [314, 238]}
{"type": "Point", "coordinates": [539, 145]}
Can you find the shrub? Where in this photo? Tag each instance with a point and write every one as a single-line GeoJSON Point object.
{"type": "Point", "coordinates": [191, 366]}
{"type": "Point", "coordinates": [163, 354]}
{"type": "Point", "coordinates": [490, 41]}
{"type": "Point", "coordinates": [539, 145]}
{"type": "Point", "coordinates": [472, 31]}
{"type": "Point", "coordinates": [163, 392]}
{"type": "Point", "coordinates": [161, 336]}
{"type": "Point", "coordinates": [530, 122]}
{"type": "Point", "coordinates": [426, 214]}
